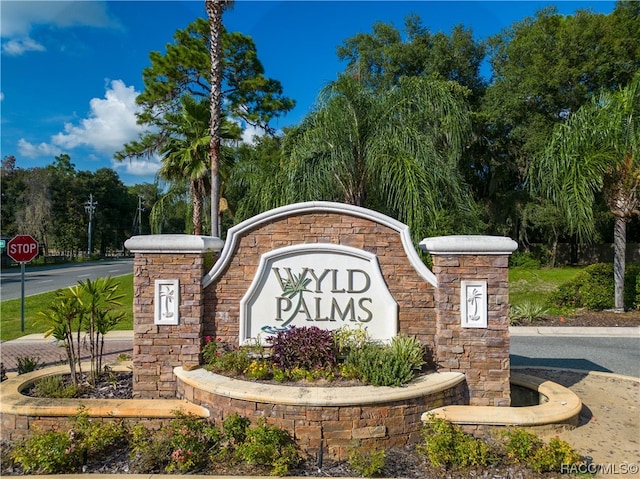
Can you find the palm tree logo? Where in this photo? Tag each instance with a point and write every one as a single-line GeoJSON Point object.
{"type": "Point", "coordinates": [474, 302]}
{"type": "Point", "coordinates": [297, 285]}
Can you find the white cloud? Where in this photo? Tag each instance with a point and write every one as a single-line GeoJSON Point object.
{"type": "Point", "coordinates": [29, 150]}
{"type": "Point", "coordinates": [138, 167]}
{"type": "Point", "coordinates": [111, 124]}
{"type": "Point", "coordinates": [20, 18]}
{"type": "Point", "coordinates": [17, 47]}
{"type": "Point", "coordinates": [1, 96]}
{"type": "Point", "coordinates": [250, 132]}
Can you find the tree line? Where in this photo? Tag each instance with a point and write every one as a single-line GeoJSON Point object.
{"type": "Point", "coordinates": [412, 128]}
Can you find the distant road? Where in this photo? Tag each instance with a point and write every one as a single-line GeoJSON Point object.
{"type": "Point", "coordinates": [617, 355]}
{"type": "Point", "coordinates": [43, 279]}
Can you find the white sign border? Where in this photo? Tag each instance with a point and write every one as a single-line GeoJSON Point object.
{"type": "Point", "coordinates": [473, 292]}
{"type": "Point", "coordinates": [169, 313]}
{"type": "Point", "coordinates": [390, 322]}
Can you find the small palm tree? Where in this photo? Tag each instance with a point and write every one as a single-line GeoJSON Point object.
{"type": "Point", "coordinates": [184, 154]}
{"type": "Point", "coordinates": [596, 151]}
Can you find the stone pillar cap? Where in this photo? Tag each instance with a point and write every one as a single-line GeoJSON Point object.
{"type": "Point", "coordinates": [469, 244]}
{"type": "Point", "coordinates": [173, 243]}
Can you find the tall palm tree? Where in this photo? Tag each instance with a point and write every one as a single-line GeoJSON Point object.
{"type": "Point", "coordinates": [184, 154]}
{"type": "Point", "coordinates": [596, 151]}
{"type": "Point", "coordinates": [214, 13]}
{"type": "Point", "coordinates": [395, 150]}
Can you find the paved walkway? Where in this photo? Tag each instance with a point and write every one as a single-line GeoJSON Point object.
{"type": "Point", "coordinates": [48, 352]}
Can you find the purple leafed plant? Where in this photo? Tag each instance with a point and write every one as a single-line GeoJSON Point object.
{"type": "Point", "coordinates": [307, 348]}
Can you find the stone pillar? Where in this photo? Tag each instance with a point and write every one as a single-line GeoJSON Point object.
{"type": "Point", "coordinates": [168, 308]}
{"type": "Point", "coordinates": [473, 338]}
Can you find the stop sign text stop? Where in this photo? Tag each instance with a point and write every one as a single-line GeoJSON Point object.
{"type": "Point", "coordinates": [22, 248]}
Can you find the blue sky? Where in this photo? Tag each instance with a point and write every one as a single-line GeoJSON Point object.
{"type": "Point", "coordinates": [70, 70]}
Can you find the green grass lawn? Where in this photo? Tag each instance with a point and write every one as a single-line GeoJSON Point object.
{"type": "Point", "coordinates": [529, 285]}
{"type": "Point", "coordinates": [33, 323]}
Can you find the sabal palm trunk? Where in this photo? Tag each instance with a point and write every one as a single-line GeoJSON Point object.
{"type": "Point", "coordinates": [619, 257]}
{"type": "Point", "coordinates": [214, 12]}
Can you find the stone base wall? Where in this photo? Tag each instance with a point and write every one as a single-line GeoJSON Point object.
{"type": "Point", "coordinates": [335, 429]}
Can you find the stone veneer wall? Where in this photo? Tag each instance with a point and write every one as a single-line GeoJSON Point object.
{"type": "Point", "coordinates": [415, 297]}
{"type": "Point", "coordinates": [157, 349]}
{"type": "Point", "coordinates": [432, 314]}
{"type": "Point", "coordinates": [482, 354]}
{"type": "Point", "coordinates": [335, 429]}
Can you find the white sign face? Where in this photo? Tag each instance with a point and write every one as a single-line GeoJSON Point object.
{"type": "Point", "coordinates": [166, 301]}
{"type": "Point", "coordinates": [323, 285]}
{"type": "Point", "coordinates": [473, 304]}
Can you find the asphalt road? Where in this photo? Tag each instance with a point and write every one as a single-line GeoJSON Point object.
{"type": "Point", "coordinates": [620, 355]}
{"type": "Point", "coordinates": [40, 280]}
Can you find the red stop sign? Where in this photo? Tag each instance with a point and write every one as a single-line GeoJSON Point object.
{"type": "Point", "coordinates": [22, 248]}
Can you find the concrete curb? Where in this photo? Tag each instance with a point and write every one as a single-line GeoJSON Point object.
{"type": "Point", "coordinates": [562, 407]}
{"type": "Point", "coordinates": [559, 331]}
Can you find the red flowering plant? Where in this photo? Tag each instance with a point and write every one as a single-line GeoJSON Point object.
{"type": "Point", "coordinates": [221, 357]}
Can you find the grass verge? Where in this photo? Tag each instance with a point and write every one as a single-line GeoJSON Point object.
{"type": "Point", "coordinates": [33, 323]}
{"type": "Point", "coordinates": [529, 285]}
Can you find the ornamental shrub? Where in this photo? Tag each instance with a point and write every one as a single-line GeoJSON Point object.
{"type": "Point", "coordinates": [520, 445]}
{"type": "Point", "coordinates": [593, 288]}
{"type": "Point", "coordinates": [447, 445]}
{"type": "Point", "coordinates": [267, 445]}
{"type": "Point", "coordinates": [367, 463]}
{"type": "Point", "coordinates": [50, 452]}
{"type": "Point", "coordinates": [307, 348]}
{"type": "Point", "coordinates": [553, 457]}
{"type": "Point", "coordinates": [378, 364]}
{"type": "Point", "coordinates": [180, 446]}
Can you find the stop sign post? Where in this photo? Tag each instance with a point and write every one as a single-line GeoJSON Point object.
{"type": "Point", "coordinates": [22, 249]}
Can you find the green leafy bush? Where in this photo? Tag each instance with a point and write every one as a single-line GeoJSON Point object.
{"type": "Point", "coordinates": [520, 445]}
{"type": "Point", "coordinates": [524, 259]}
{"type": "Point", "coordinates": [54, 387]}
{"type": "Point", "coordinates": [593, 288]}
{"type": "Point", "coordinates": [181, 446]}
{"type": "Point", "coordinates": [394, 364]}
{"type": "Point", "coordinates": [447, 445]}
{"type": "Point", "coordinates": [235, 428]}
{"type": "Point", "coordinates": [526, 312]}
{"type": "Point", "coordinates": [50, 452]}
{"type": "Point", "coordinates": [553, 456]}
{"type": "Point", "coordinates": [54, 452]}
{"type": "Point", "coordinates": [27, 364]}
{"type": "Point", "coordinates": [368, 463]}
{"type": "Point", "coordinates": [270, 446]}
{"type": "Point", "coordinates": [220, 357]}
{"type": "Point", "coordinates": [525, 447]}
{"type": "Point", "coordinates": [347, 338]}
